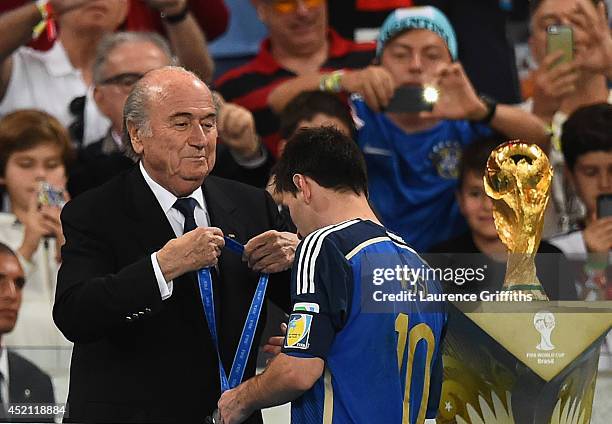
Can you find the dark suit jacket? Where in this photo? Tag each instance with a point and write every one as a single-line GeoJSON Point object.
{"type": "Point", "coordinates": [137, 358]}
{"type": "Point", "coordinates": [27, 385]}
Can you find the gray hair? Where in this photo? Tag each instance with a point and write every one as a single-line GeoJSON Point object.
{"type": "Point", "coordinates": [114, 40]}
{"type": "Point", "coordinates": [136, 110]}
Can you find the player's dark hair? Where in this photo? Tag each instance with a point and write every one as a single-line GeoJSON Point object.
{"type": "Point", "coordinates": [307, 105]}
{"type": "Point", "coordinates": [588, 129]}
{"type": "Point", "coordinates": [327, 156]}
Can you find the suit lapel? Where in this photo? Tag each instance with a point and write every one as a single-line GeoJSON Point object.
{"type": "Point", "coordinates": [18, 391]}
{"type": "Point", "coordinates": [150, 224]}
{"type": "Point", "coordinates": [221, 209]}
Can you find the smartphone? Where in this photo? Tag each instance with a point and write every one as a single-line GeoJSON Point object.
{"type": "Point", "coordinates": [560, 38]}
{"type": "Point", "coordinates": [604, 205]}
{"type": "Point", "coordinates": [411, 98]}
{"type": "Point", "coordinates": [50, 196]}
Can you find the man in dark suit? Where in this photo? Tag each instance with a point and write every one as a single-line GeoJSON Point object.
{"type": "Point", "coordinates": [21, 382]}
{"type": "Point", "coordinates": [127, 293]}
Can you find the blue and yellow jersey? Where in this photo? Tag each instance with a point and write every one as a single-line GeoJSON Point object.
{"type": "Point", "coordinates": [379, 367]}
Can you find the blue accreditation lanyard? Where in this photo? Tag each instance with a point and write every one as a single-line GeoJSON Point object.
{"type": "Point", "coordinates": [250, 325]}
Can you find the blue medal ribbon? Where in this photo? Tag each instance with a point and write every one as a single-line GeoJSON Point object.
{"type": "Point", "coordinates": [250, 325]}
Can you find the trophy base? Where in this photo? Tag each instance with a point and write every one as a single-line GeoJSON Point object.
{"type": "Point", "coordinates": [500, 368]}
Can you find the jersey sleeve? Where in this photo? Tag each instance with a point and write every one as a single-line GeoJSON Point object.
{"type": "Point", "coordinates": [320, 296]}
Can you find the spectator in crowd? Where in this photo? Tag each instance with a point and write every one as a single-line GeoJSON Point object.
{"type": "Point", "coordinates": [211, 15]}
{"type": "Point", "coordinates": [51, 80]}
{"type": "Point", "coordinates": [121, 60]}
{"type": "Point", "coordinates": [34, 149]}
{"type": "Point", "coordinates": [560, 89]}
{"type": "Point", "coordinates": [127, 292]}
{"type": "Point", "coordinates": [480, 246]}
{"type": "Point", "coordinates": [22, 381]}
{"type": "Point", "coordinates": [300, 43]}
{"type": "Point", "coordinates": [412, 158]}
{"type": "Point", "coordinates": [315, 109]}
{"type": "Point", "coordinates": [587, 149]}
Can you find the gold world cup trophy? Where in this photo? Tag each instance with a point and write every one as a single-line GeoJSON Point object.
{"type": "Point", "coordinates": [518, 178]}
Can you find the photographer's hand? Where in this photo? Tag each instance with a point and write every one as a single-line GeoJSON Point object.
{"type": "Point", "coordinates": [457, 98]}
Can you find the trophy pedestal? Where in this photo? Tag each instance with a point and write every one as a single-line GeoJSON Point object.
{"type": "Point", "coordinates": [534, 366]}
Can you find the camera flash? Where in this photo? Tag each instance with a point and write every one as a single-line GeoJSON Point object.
{"type": "Point", "coordinates": [430, 94]}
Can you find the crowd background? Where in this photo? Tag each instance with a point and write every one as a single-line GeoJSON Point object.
{"type": "Point", "coordinates": [280, 65]}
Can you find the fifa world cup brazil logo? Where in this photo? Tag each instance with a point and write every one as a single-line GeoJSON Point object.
{"type": "Point", "coordinates": [518, 178]}
{"type": "Point", "coordinates": [544, 322]}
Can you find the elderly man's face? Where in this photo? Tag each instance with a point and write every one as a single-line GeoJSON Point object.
{"type": "Point", "coordinates": [180, 150]}
{"type": "Point", "coordinates": [11, 282]}
{"type": "Point", "coordinates": [124, 66]}
{"type": "Point", "coordinates": [298, 24]}
{"type": "Point", "coordinates": [96, 15]}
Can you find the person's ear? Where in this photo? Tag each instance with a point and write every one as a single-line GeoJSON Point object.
{"type": "Point", "coordinates": [303, 186]}
{"type": "Point", "coordinates": [135, 138]}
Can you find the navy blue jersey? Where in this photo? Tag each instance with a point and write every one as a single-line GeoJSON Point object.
{"type": "Point", "coordinates": [379, 367]}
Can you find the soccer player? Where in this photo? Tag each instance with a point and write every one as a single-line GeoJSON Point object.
{"type": "Point", "coordinates": [341, 363]}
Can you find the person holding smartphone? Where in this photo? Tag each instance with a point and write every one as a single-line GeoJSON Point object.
{"type": "Point", "coordinates": [572, 47]}
{"type": "Point", "coordinates": [416, 109]}
{"type": "Point", "coordinates": [34, 152]}
{"type": "Point", "coordinates": [587, 149]}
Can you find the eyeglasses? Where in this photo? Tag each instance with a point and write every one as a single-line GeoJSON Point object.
{"type": "Point", "coordinates": [127, 79]}
{"type": "Point", "coordinates": [290, 6]}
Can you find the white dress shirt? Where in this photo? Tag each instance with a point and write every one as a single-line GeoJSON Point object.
{"type": "Point", "coordinates": [176, 219]}
{"type": "Point", "coordinates": [48, 81]}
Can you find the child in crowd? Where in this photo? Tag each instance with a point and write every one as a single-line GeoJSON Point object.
{"type": "Point", "coordinates": [34, 150]}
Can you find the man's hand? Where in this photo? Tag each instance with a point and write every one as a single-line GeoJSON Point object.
{"type": "Point", "coordinates": [271, 251]}
{"type": "Point", "coordinates": [275, 343]}
{"type": "Point", "coordinates": [374, 83]}
{"type": "Point", "coordinates": [199, 248]}
{"type": "Point", "coordinates": [552, 83]}
{"type": "Point", "coordinates": [598, 236]}
{"type": "Point", "coordinates": [168, 7]}
{"type": "Point", "coordinates": [232, 408]}
{"type": "Point", "coordinates": [457, 99]}
{"type": "Point", "coordinates": [236, 127]}
{"type": "Point", "coordinates": [595, 51]}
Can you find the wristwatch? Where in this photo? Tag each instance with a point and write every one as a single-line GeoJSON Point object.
{"type": "Point", "coordinates": [491, 108]}
{"type": "Point", "coordinates": [179, 17]}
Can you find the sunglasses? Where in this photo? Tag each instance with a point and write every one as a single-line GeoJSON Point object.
{"type": "Point", "coordinates": [127, 79]}
{"type": "Point", "coordinates": [290, 6]}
